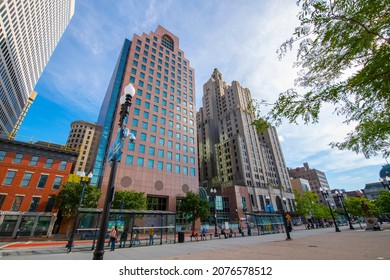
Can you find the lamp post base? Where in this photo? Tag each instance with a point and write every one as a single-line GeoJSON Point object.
{"type": "Point", "coordinates": [98, 255]}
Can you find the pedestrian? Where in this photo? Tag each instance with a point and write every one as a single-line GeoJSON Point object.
{"type": "Point", "coordinates": [113, 237]}
{"type": "Point", "coordinates": [240, 230]}
{"type": "Point", "coordinates": [151, 235]}
{"type": "Point", "coordinates": [204, 231]}
{"type": "Point", "coordinates": [136, 235]}
{"type": "Point", "coordinates": [122, 241]}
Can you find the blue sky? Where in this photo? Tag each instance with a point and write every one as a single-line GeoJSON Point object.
{"type": "Point", "coordinates": [239, 37]}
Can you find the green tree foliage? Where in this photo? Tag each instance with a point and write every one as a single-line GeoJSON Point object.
{"type": "Point", "coordinates": [259, 122]}
{"type": "Point", "coordinates": [382, 202]}
{"type": "Point", "coordinates": [354, 207]}
{"type": "Point", "coordinates": [69, 196]}
{"type": "Point", "coordinates": [307, 204]}
{"type": "Point", "coordinates": [195, 206]}
{"type": "Point", "coordinates": [343, 55]}
{"type": "Point", "coordinates": [130, 200]}
{"type": "Point", "coordinates": [322, 212]}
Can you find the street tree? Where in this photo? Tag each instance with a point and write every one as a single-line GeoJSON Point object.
{"type": "Point", "coordinates": [382, 202]}
{"type": "Point", "coordinates": [130, 200]}
{"type": "Point", "coordinates": [68, 198]}
{"type": "Point", "coordinates": [343, 57]}
{"type": "Point", "coordinates": [194, 205]}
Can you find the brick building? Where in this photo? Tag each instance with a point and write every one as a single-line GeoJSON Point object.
{"type": "Point", "coordinates": [30, 174]}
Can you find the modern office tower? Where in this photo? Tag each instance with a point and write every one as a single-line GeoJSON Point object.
{"type": "Point", "coordinates": [84, 138]}
{"type": "Point", "coordinates": [29, 33]}
{"type": "Point", "coordinates": [246, 166]}
{"type": "Point", "coordinates": [162, 162]}
{"type": "Point", "coordinates": [316, 178]}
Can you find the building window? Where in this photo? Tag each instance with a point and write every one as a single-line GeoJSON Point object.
{"type": "Point", "coordinates": [150, 163]}
{"type": "Point", "coordinates": [18, 158]}
{"type": "Point", "coordinates": [34, 204]}
{"type": "Point", "coordinates": [9, 178]}
{"type": "Point", "coordinates": [177, 168]}
{"type": "Point", "coordinates": [62, 165]}
{"type": "Point", "coordinates": [50, 204]}
{"type": "Point", "coordinates": [160, 165]}
{"type": "Point", "coordinates": [167, 42]}
{"type": "Point", "coordinates": [2, 155]}
{"type": "Point", "coordinates": [49, 163]}
{"type": "Point", "coordinates": [26, 179]}
{"type": "Point", "coordinates": [156, 203]}
{"type": "Point", "coordinates": [42, 181]}
{"type": "Point", "coordinates": [57, 183]}
{"type": "Point", "coordinates": [2, 198]}
{"type": "Point", "coordinates": [169, 167]}
{"type": "Point", "coordinates": [129, 160]}
{"type": "Point", "coordinates": [140, 162]}
{"type": "Point", "coordinates": [131, 146]}
{"type": "Point", "coordinates": [17, 202]}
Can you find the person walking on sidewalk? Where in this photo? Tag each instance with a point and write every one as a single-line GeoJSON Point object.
{"type": "Point", "coordinates": [151, 235]}
{"type": "Point", "coordinates": [113, 236]}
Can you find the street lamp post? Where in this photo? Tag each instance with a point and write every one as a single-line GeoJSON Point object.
{"type": "Point", "coordinates": [325, 194]}
{"type": "Point", "coordinates": [69, 245]}
{"type": "Point", "coordinates": [213, 193]}
{"type": "Point", "coordinates": [341, 199]}
{"type": "Point", "coordinates": [385, 182]}
{"type": "Point", "coordinates": [114, 156]}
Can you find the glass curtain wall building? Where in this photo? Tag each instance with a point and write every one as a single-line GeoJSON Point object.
{"type": "Point", "coordinates": [29, 33]}
{"type": "Point", "coordinates": [162, 162]}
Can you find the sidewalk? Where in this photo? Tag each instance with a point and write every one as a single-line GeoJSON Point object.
{"type": "Point", "coordinates": [316, 244]}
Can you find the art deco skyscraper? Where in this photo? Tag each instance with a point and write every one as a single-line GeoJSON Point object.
{"type": "Point", "coordinates": [162, 162]}
{"type": "Point", "coordinates": [29, 33]}
{"type": "Point", "coordinates": [248, 167]}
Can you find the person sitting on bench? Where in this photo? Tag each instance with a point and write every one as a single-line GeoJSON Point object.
{"type": "Point", "coordinates": [194, 234]}
{"type": "Point", "coordinates": [223, 233]}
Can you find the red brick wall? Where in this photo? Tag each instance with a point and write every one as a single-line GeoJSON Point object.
{"type": "Point", "coordinates": [31, 190]}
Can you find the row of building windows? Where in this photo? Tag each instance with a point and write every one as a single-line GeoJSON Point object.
{"type": "Point", "coordinates": [169, 167]}
{"type": "Point", "coordinates": [33, 161]}
{"type": "Point", "coordinates": [160, 152]}
{"type": "Point", "coordinates": [168, 43]}
{"type": "Point", "coordinates": [33, 204]}
{"type": "Point", "coordinates": [10, 176]}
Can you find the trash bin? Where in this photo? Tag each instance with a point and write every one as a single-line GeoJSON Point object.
{"type": "Point", "coordinates": [180, 236]}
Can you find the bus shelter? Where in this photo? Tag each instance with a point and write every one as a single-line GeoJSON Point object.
{"type": "Point", "coordinates": [265, 223]}
{"type": "Point", "coordinates": [136, 223]}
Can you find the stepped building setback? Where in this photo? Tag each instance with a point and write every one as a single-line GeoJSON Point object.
{"type": "Point", "coordinates": [246, 167]}
{"type": "Point", "coordinates": [162, 162]}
